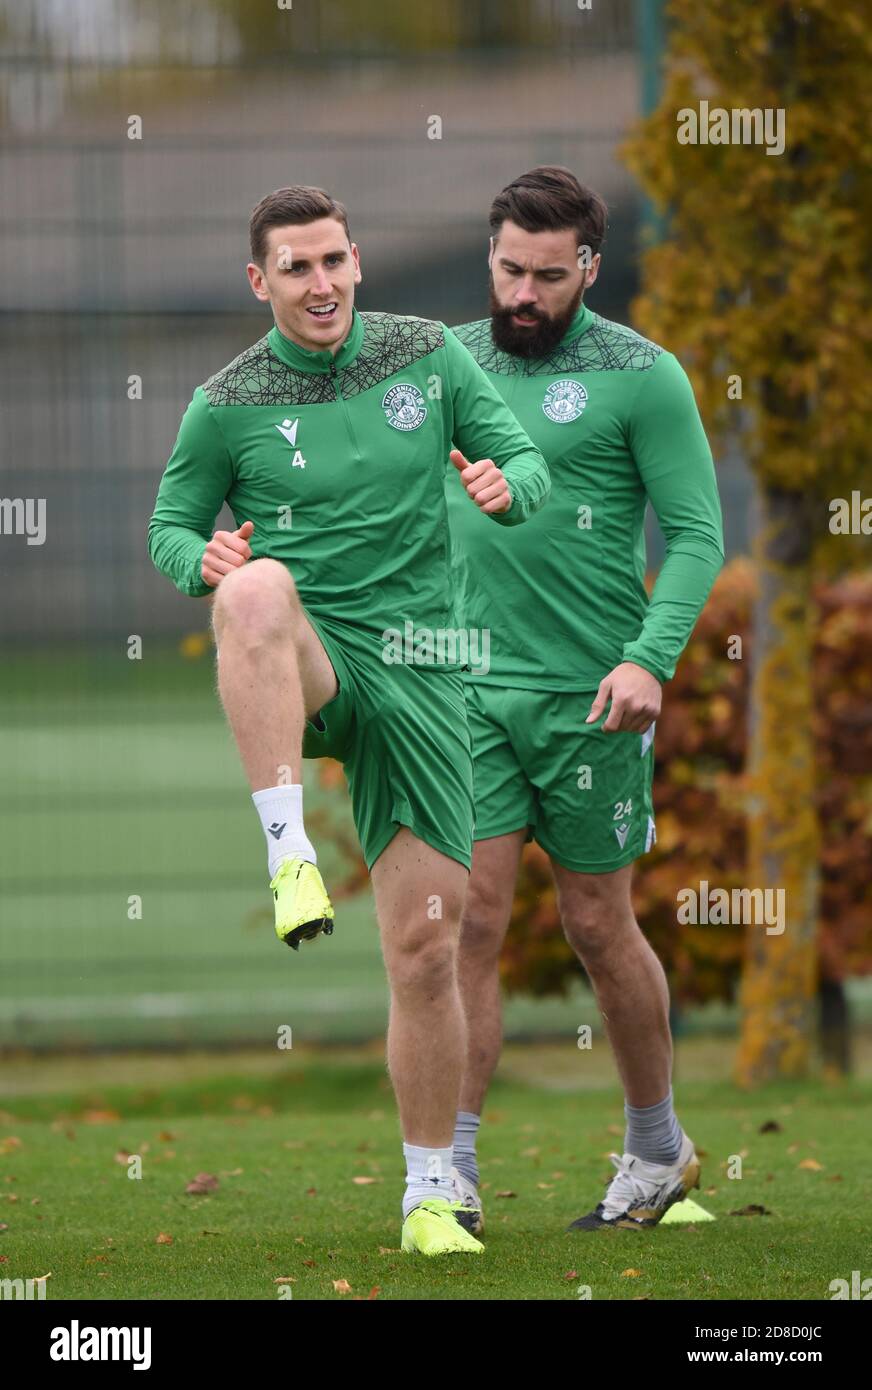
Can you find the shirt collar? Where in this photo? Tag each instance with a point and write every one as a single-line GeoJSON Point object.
{"type": "Point", "coordinates": [580, 324]}
{"type": "Point", "coordinates": [302, 360]}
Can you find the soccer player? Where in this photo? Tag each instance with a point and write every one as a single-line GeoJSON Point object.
{"type": "Point", "coordinates": [330, 440]}
{"type": "Point", "coordinates": [562, 723]}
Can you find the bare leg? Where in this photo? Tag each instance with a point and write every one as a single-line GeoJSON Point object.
{"type": "Point", "coordinates": [411, 882]}
{"type": "Point", "coordinates": [273, 672]}
{"type": "Point", "coordinates": [486, 915]}
{"type": "Point", "coordinates": [626, 976]}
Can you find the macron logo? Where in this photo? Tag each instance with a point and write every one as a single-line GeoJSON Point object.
{"type": "Point", "coordinates": [289, 429]}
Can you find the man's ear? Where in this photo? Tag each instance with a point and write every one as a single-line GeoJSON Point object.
{"type": "Point", "coordinates": [355, 256]}
{"type": "Point", "coordinates": [257, 281]}
{"type": "Point", "coordinates": [592, 271]}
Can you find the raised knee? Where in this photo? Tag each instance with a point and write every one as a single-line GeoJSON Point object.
{"type": "Point", "coordinates": [258, 599]}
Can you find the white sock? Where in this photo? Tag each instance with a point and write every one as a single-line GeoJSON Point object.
{"type": "Point", "coordinates": [428, 1175]}
{"type": "Point", "coordinates": [281, 815]}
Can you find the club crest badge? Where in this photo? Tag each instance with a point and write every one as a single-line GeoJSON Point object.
{"type": "Point", "coordinates": [404, 407]}
{"type": "Point", "coordinates": [564, 401]}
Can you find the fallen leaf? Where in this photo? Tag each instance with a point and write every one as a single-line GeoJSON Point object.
{"type": "Point", "coordinates": [770, 1127]}
{"type": "Point", "coordinates": [507, 1193]}
{"type": "Point", "coordinates": [373, 1293]}
{"type": "Point", "coordinates": [165, 1137]}
{"type": "Point", "coordinates": [164, 1239]}
{"type": "Point", "coordinates": [388, 1250]}
{"type": "Point", "coordinates": [311, 1191]}
{"type": "Point", "coordinates": [631, 1274]}
{"type": "Point", "coordinates": [7, 1146]}
{"type": "Point", "coordinates": [310, 1264]}
{"type": "Point", "coordinates": [342, 1286]}
{"type": "Point", "coordinates": [834, 1177]}
{"type": "Point", "coordinates": [365, 1181]}
{"type": "Point", "coordinates": [812, 1164]}
{"type": "Point", "coordinates": [122, 1156]}
{"type": "Point", "coordinates": [571, 1274]}
{"type": "Point", "coordinates": [285, 1279]}
{"type": "Point", "coordinates": [100, 1117]}
{"type": "Point", "coordinates": [203, 1182]}
{"type": "Point", "coordinates": [298, 1240]}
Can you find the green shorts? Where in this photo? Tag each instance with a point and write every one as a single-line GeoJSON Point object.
{"type": "Point", "coordinates": [401, 734]}
{"type": "Point", "coordinates": [583, 795]}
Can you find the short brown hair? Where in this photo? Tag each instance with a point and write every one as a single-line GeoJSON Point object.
{"type": "Point", "coordinates": [286, 207]}
{"type": "Point", "coordinates": [551, 199]}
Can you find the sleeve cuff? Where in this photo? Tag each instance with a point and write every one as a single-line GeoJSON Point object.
{"type": "Point", "coordinates": [652, 667]}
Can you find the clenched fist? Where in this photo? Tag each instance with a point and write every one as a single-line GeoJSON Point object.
{"type": "Point", "coordinates": [484, 483]}
{"type": "Point", "coordinates": [226, 551]}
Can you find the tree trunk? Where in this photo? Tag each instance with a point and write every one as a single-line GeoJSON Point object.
{"type": "Point", "coordinates": [780, 970]}
{"type": "Point", "coordinates": [835, 1028]}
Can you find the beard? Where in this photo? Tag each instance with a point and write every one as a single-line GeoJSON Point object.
{"type": "Point", "coordinates": [531, 342]}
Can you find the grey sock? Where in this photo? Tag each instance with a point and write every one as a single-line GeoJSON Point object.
{"type": "Point", "coordinates": [653, 1132]}
{"type": "Point", "coordinates": [465, 1160]}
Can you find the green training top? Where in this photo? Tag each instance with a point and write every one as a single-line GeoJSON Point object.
{"type": "Point", "coordinates": [342, 464]}
{"type": "Point", "coordinates": [564, 598]}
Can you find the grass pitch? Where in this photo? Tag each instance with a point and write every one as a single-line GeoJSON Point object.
{"type": "Point", "coordinates": [305, 1149]}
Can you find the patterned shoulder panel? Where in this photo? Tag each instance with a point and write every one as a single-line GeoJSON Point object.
{"type": "Point", "coordinates": [391, 342]}
{"type": "Point", "coordinates": [477, 339]}
{"type": "Point", "coordinates": [605, 347]}
{"type": "Point", "coordinates": [257, 377]}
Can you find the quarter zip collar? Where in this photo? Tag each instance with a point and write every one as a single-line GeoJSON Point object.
{"type": "Point", "coordinates": [580, 324]}
{"type": "Point", "coordinates": [318, 363]}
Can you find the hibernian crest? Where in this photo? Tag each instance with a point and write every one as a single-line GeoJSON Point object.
{"type": "Point", "coordinates": [404, 407]}
{"type": "Point", "coordinates": [564, 401]}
